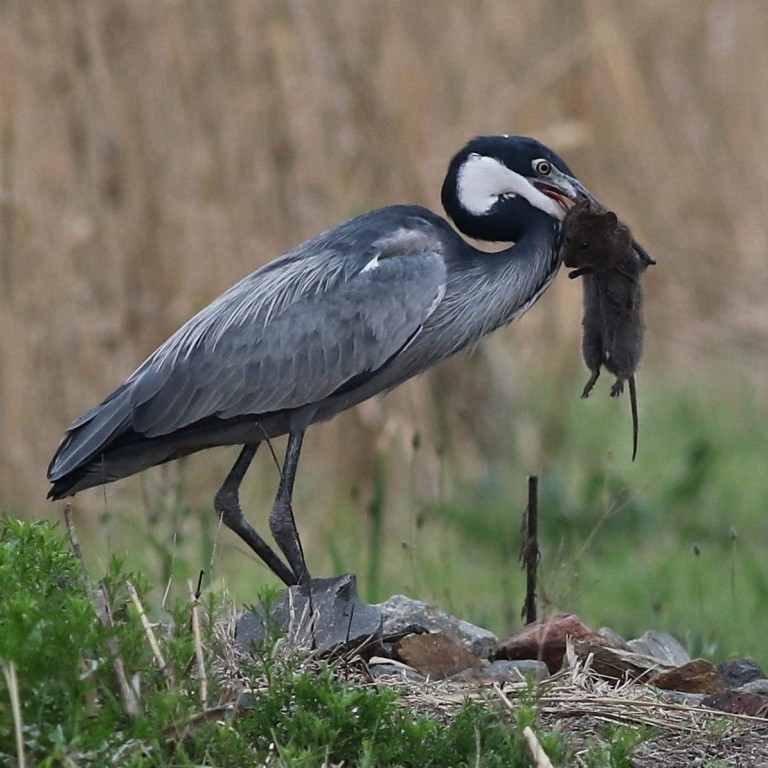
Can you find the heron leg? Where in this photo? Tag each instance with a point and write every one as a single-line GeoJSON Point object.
{"type": "Point", "coordinates": [281, 520]}
{"type": "Point", "coordinates": [227, 506]}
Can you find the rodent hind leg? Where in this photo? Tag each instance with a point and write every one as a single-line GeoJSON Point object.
{"type": "Point", "coordinates": [588, 387]}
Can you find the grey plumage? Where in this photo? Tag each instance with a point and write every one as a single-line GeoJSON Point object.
{"type": "Point", "coordinates": [353, 312]}
{"type": "Point", "coordinates": [291, 335]}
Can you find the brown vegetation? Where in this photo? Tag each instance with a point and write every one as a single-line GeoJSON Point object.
{"type": "Point", "coordinates": [151, 153]}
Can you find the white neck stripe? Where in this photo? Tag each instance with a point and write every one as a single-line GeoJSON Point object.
{"type": "Point", "coordinates": [483, 180]}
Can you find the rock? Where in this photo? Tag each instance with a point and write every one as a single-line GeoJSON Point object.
{"type": "Point", "coordinates": [521, 670]}
{"type": "Point", "coordinates": [614, 639]}
{"type": "Point", "coordinates": [661, 646]}
{"type": "Point", "coordinates": [436, 655]}
{"type": "Point", "coordinates": [618, 663]}
{"type": "Point", "coordinates": [738, 703]}
{"type": "Point", "coordinates": [401, 615]}
{"type": "Point", "coordinates": [333, 620]}
{"type": "Point", "coordinates": [737, 672]}
{"type": "Point", "coordinates": [697, 676]}
{"type": "Point", "coordinates": [545, 639]}
{"type": "Point", "coordinates": [381, 667]}
{"type": "Point", "coordinates": [680, 697]}
{"type": "Point", "coordinates": [755, 686]}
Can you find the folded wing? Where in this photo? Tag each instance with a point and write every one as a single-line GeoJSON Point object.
{"type": "Point", "coordinates": [288, 335]}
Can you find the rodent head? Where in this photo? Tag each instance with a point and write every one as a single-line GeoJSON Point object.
{"type": "Point", "coordinates": [589, 236]}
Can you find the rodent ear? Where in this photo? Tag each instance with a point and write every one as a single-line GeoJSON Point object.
{"type": "Point", "coordinates": [611, 221]}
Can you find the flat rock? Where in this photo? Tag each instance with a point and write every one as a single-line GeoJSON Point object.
{"type": "Point", "coordinates": [618, 663]}
{"type": "Point", "coordinates": [737, 672]}
{"type": "Point", "coordinates": [680, 697]}
{"type": "Point", "coordinates": [391, 668]}
{"type": "Point", "coordinates": [613, 638]}
{"type": "Point", "coordinates": [545, 639]}
{"type": "Point", "coordinates": [661, 646]}
{"type": "Point", "coordinates": [436, 655]}
{"type": "Point", "coordinates": [738, 703]}
{"type": "Point", "coordinates": [755, 686]}
{"type": "Point", "coordinates": [325, 615]}
{"type": "Point", "coordinates": [697, 676]}
{"type": "Point", "coordinates": [518, 671]}
{"type": "Point", "coordinates": [403, 615]}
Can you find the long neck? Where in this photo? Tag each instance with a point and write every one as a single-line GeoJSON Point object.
{"type": "Point", "coordinates": [488, 290]}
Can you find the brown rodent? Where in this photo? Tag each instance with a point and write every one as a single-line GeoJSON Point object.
{"type": "Point", "coordinates": [600, 249]}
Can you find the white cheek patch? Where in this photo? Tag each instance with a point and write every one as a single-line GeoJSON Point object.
{"type": "Point", "coordinates": [483, 180]}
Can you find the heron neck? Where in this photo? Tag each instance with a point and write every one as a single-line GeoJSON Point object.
{"type": "Point", "coordinates": [512, 280]}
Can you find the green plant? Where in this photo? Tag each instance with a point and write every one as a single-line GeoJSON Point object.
{"type": "Point", "coordinates": [614, 747]}
{"type": "Point", "coordinates": [93, 692]}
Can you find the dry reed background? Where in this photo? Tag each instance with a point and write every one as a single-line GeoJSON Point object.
{"type": "Point", "coordinates": [152, 153]}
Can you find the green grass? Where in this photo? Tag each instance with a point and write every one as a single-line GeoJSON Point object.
{"type": "Point", "coordinates": [674, 542]}
{"type": "Point", "coordinates": [59, 663]}
{"type": "Point", "coordinates": [614, 747]}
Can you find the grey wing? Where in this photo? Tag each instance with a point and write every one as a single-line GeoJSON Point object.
{"type": "Point", "coordinates": [292, 334]}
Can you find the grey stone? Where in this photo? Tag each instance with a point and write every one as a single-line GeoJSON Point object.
{"type": "Point", "coordinates": [681, 697]}
{"type": "Point", "coordinates": [325, 615]}
{"type": "Point", "coordinates": [615, 640]}
{"type": "Point", "coordinates": [737, 672]}
{"type": "Point", "coordinates": [518, 670]}
{"type": "Point", "coordinates": [661, 646]}
{"type": "Point", "coordinates": [401, 614]}
{"type": "Point", "coordinates": [755, 686]}
{"type": "Point", "coordinates": [395, 670]}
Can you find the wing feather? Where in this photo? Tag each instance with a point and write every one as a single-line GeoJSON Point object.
{"type": "Point", "coordinates": [294, 332]}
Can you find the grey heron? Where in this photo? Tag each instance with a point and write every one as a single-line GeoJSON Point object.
{"type": "Point", "coordinates": [349, 314]}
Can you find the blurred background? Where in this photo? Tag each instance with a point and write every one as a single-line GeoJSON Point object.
{"type": "Point", "coordinates": [153, 153]}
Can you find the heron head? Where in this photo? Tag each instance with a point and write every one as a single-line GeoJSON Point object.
{"type": "Point", "coordinates": [499, 186]}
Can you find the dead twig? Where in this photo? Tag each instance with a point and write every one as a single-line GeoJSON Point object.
{"type": "Point", "coordinates": [540, 758]}
{"type": "Point", "coordinates": [202, 678]}
{"type": "Point", "coordinates": [530, 550]}
{"type": "Point", "coordinates": [101, 607]}
{"type": "Point", "coordinates": [9, 670]}
{"type": "Point", "coordinates": [127, 694]}
{"type": "Point", "coordinates": [75, 542]}
{"type": "Point", "coordinates": [180, 731]}
{"type": "Point", "coordinates": [165, 670]}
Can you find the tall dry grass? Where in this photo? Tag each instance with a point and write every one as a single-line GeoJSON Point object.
{"type": "Point", "coordinates": [151, 153]}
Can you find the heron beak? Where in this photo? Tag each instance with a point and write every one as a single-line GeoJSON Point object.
{"type": "Point", "coordinates": [554, 193]}
{"type": "Point", "coordinates": [569, 187]}
{"type": "Point", "coordinates": [568, 190]}
{"type": "Point", "coordinates": [563, 189]}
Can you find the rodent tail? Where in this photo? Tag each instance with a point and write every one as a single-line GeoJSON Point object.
{"type": "Point", "coordinates": [633, 406]}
